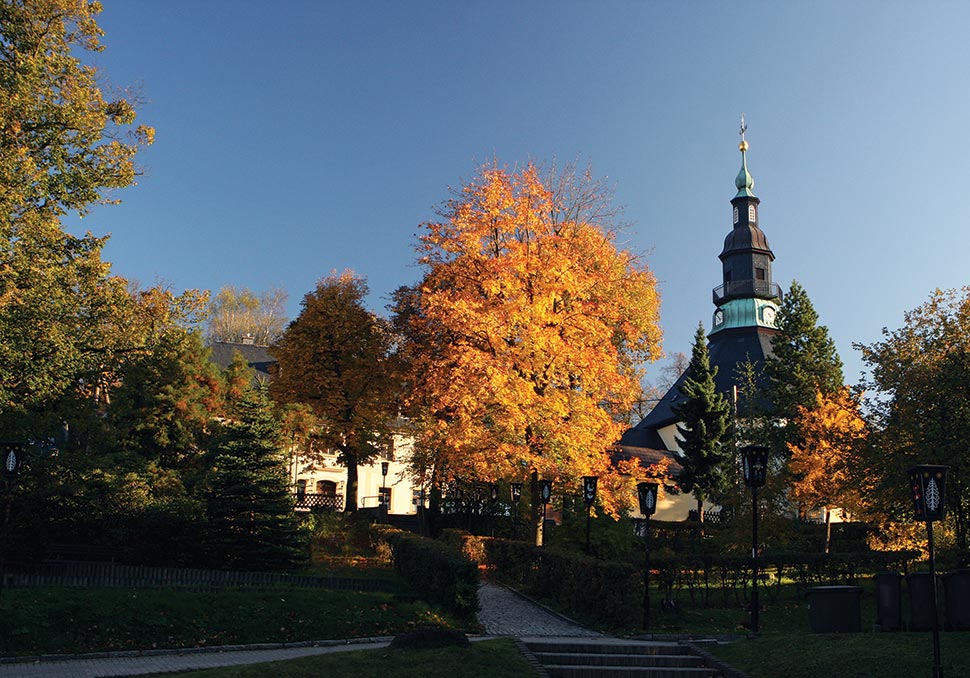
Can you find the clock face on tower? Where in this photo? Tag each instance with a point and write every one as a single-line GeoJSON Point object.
{"type": "Point", "coordinates": [718, 317]}
{"type": "Point", "coordinates": [768, 315]}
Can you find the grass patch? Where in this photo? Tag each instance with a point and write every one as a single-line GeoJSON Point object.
{"type": "Point", "coordinates": [850, 655]}
{"type": "Point", "coordinates": [487, 659]}
{"type": "Point", "coordinates": [71, 620]}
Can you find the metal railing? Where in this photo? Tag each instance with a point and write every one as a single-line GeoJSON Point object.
{"type": "Point", "coordinates": [308, 501]}
{"type": "Point", "coordinates": [747, 288]}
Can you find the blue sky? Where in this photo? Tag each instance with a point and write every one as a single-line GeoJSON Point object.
{"type": "Point", "coordinates": [299, 137]}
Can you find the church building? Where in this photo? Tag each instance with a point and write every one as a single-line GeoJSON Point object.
{"type": "Point", "coordinates": [743, 324]}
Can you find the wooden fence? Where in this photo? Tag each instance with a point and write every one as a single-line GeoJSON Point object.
{"type": "Point", "coordinates": [114, 575]}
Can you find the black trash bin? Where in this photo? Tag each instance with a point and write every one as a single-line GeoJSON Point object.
{"type": "Point", "coordinates": [957, 587]}
{"type": "Point", "coordinates": [834, 609]}
{"type": "Point", "coordinates": [889, 601]}
{"type": "Point", "coordinates": [920, 585]}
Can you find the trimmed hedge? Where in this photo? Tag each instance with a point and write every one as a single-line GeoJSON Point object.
{"type": "Point", "coordinates": [594, 591]}
{"type": "Point", "coordinates": [435, 571]}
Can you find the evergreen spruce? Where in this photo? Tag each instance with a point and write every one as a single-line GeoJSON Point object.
{"type": "Point", "coordinates": [805, 361]}
{"type": "Point", "coordinates": [704, 434]}
{"type": "Point", "coordinates": [250, 505]}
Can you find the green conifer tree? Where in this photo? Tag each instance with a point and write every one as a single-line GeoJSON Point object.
{"type": "Point", "coordinates": [705, 432]}
{"type": "Point", "coordinates": [805, 361]}
{"type": "Point", "coordinates": [249, 503]}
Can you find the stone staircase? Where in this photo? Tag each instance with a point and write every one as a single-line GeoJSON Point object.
{"type": "Point", "coordinates": [612, 657]}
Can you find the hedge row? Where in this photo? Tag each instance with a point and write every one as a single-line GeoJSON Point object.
{"type": "Point", "coordinates": [596, 591]}
{"type": "Point", "coordinates": [438, 573]}
{"type": "Point", "coordinates": [725, 578]}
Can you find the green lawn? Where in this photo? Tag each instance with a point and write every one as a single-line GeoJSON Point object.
{"type": "Point", "coordinates": [71, 620]}
{"type": "Point", "coordinates": [850, 655]}
{"type": "Point", "coordinates": [487, 659]}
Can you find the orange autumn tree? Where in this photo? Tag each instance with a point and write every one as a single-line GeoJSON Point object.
{"type": "Point", "coordinates": [832, 432]}
{"type": "Point", "coordinates": [525, 336]}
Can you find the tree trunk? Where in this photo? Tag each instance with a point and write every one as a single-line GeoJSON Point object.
{"type": "Point", "coordinates": [350, 493]}
{"type": "Point", "coordinates": [700, 513]}
{"type": "Point", "coordinates": [828, 530]}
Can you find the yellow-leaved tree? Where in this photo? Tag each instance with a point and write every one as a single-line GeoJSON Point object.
{"type": "Point", "coordinates": [525, 337]}
{"type": "Point", "coordinates": [831, 435]}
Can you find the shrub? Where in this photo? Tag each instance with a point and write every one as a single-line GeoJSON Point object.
{"type": "Point", "coordinates": [437, 572]}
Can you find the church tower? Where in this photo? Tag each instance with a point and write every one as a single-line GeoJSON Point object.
{"type": "Point", "coordinates": [747, 298]}
{"type": "Point", "coordinates": [743, 326]}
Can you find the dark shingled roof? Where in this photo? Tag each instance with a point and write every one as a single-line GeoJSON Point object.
{"type": "Point", "coordinates": [258, 357]}
{"type": "Point", "coordinates": [744, 238]}
{"type": "Point", "coordinates": [648, 457]}
{"type": "Point", "coordinates": [728, 349]}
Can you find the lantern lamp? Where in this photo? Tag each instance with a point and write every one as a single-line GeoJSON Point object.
{"type": "Point", "coordinates": [754, 465]}
{"type": "Point", "coordinates": [545, 491]}
{"type": "Point", "coordinates": [647, 495]}
{"type": "Point", "coordinates": [589, 490]}
{"type": "Point", "coordinates": [927, 484]}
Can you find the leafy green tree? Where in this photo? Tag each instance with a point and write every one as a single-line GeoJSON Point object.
{"type": "Point", "coordinates": [63, 148]}
{"type": "Point", "coordinates": [919, 406]}
{"type": "Point", "coordinates": [705, 432]}
{"type": "Point", "coordinates": [236, 315]}
{"type": "Point", "coordinates": [166, 401]}
{"type": "Point", "coordinates": [336, 358]}
{"type": "Point", "coordinates": [249, 503]}
{"type": "Point", "coordinates": [805, 361]}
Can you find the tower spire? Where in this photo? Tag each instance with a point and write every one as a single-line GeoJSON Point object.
{"type": "Point", "coordinates": [744, 181]}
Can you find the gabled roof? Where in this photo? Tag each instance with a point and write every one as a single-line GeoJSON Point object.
{"type": "Point", "coordinates": [648, 457]}
{"type": "Point", "coordinates": [258, 357]}
{"type": "Point", "coordinates": [728, 349]}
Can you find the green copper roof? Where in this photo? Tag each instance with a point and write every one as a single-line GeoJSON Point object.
{"type": "Point", "coordinates": [744, 180]}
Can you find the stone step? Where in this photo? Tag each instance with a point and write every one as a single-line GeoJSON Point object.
{"type": "Point", "coordinates": [612, 659]}
{"type": "Point", "coordinates": [563, 671]}
{"type": "Point", "coordinates": [604, 646]}
{"type": "Point", "coordinates": [616, 658]}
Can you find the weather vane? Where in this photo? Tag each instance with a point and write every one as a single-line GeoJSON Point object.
{"type": "Point", "coordinates": [744, 127]}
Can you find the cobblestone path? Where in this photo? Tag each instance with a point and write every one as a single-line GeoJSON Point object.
{"type": "Point", "coordinates": [503, 613]}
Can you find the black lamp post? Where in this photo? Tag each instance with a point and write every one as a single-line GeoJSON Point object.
{"type": "Point", "coordinates": [516, 490]}
{"type": "Point", "coordinates": [545, 495]}
{"type": "Point", "coordinates": [754, 465]}
{"type": "Point", "coordinates": [928, 487]}
{"type": "Point", "coordinates": [647, 496]}
{"type": "Point", "coordinates": [13, 459]}
{"type": "Point", "coordinates": [589, 497]}
{"type": "Point", "coordinates": [385, 504]}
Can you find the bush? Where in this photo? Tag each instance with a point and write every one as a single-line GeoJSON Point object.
{"type": "Point", "coordinates": [437, 572]}
{"type": "Point", "coordinates": [337, 534]}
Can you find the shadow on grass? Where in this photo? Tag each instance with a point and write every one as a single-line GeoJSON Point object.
{"type": "Point", "coordinates": [487, 659]}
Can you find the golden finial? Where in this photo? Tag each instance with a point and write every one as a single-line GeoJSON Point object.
{"type": "Point", "coordinates": [743, 146]}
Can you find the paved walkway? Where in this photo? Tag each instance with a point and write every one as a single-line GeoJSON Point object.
{"type": "Point", "coordinates": [503, 613]}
